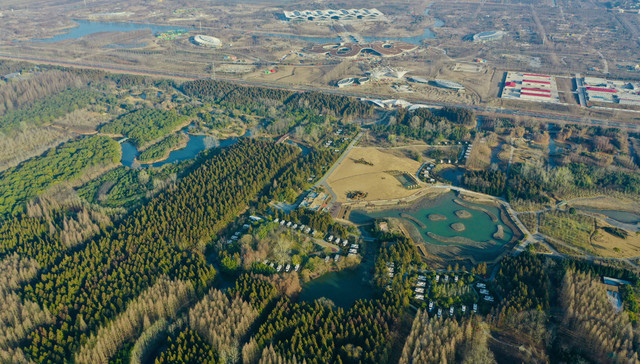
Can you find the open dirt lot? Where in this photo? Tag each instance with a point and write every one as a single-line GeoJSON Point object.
{"type": "Point", "coordinates": [611, 246]}
{"type": "Point", "coordinates": [606, 203]}
{"type": "Point", "coordinates": [371, 179]}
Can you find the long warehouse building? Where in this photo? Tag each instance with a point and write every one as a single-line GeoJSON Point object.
{"type": "Point", "coordinates": [530, 87]}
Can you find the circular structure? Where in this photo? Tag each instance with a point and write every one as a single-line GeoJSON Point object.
{"type": "Point", "coordinates": [487, 36]}
{"type": "Point", "coordinates": [207, 41]}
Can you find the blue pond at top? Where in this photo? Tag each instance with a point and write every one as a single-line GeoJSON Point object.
{"type": "Point", "coordinates": [86, 27]}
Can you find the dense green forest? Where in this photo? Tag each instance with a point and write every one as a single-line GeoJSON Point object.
{"type": "Point", "coordinates": [536, 184]}
{"type": "Point", "coordinates": [203, 202]}
{"type": "Point", "coordinates": [46, 110]}
{"type": "Point", "coordinates": [162, 148]}
{"type": "Point", "coordinates": [145, 125]}
{"type": "Point", "coordinates": [447, 123]}
{"type": "Point", "coordinates": [62, 164]}
{"type": "Point", "coordinates": [260, 98]}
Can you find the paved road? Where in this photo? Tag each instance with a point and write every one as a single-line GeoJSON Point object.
{"type": "Point", "coordinates": [544, 116]}
{"type": "Point", "coordinates": [322, 182]}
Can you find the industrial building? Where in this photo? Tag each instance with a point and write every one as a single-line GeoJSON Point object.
{"type": "Point", "coordinates": [449, 84]}
{"type": "Point", "coordinates": [418, 79]}
{"type": "Point", "coordinates": [207, 41]}
{"type": "Point", "coordinates": [488, 36]}
{"type": "Point", "coordinates": [353, 50]}
{"type": "Point", "coordinates": [530, 87]}
{"type": "Point", "coordinates": [329, 14]}
{"type": "Point", "coordinates": [597, 89]}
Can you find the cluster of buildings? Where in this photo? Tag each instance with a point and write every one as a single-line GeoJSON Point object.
{"type": "Point", "coordinates": [530, 87]}
{"type": "Point", "coordinates": [236, 236]}
{"type": "Point", "coordinates": [353, 248]}
{"type": "Point", "coordinates": [420, 288]}
{"type": "Point", "coordinates": [353, 50]}
{"type": "Point", "coordinates": [330, 14]}
{"type": "Point", "coordinates": [282, 268]}
{"type": "Point", "coordinates": [612, 285]}
{"type": "Point", "coordinates": [315, 201]}
{"type": "Point", "coordinates": [424, 172]}
{"type": "Point", "coordinates": [293, 226]}
{"type": "Point", "coordinates": [484, 292]}
{"type": "Point", "coordinates": [467, 150]}
{"type": "Point", "coordinates": [610, 91]}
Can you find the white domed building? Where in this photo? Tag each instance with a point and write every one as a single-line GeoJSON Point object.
{"type": "Point", "coordinates": [207, 41]}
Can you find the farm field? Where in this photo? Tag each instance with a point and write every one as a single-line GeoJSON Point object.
{"type": "Point", "coordinates": [372, 177]}
{"type": "Point", "coordinates": [611, 245]}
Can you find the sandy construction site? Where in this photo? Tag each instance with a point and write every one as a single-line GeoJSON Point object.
{"type": "Point", "coordinates": [367, 170]}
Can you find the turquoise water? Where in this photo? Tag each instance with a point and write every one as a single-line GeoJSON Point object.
{"type": "Point", "coordinates": [86, 27]}
{"type": "Point", "coordinates": [479, 227]}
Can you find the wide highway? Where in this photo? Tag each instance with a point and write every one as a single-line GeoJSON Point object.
{"type": "Point", "coordinates": [540, 115]}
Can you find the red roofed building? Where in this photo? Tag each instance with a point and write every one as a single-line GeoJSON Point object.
{"type": "Point", "coordinates": [536, 89]}
{"type": "Point", "coordinates": [534, 94]}
{"type": "Point", "coordinates": [600, 89]}
{"type": "Point", "coordinates": [510, 84]}
{"type": "Point", "coordinates": [534, 81]}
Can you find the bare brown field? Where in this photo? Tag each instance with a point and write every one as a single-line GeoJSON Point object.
{"type": "Point", "coordinates": [606, 203]}
{"type": "Point", "coordinates": [611, 246]}
{"type": "Point", "coordinates": [374, 180]}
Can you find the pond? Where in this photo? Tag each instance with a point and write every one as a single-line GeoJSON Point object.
{"type": "Point", "coordinates": [195, 145]}
{"type": "Point", "coordinates": [447, 221]}
{"type": "Point", "coordinates": [85, 27]}
{"type": "Point", "coordinates": [305, 149]}
{"type": "Point", "coordinates": [453, 175]}
{"type": "Point", "coordinates": [344, 287]}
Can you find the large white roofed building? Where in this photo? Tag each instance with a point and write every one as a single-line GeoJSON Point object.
{"type": "Point", "coordinates": [330, 14]}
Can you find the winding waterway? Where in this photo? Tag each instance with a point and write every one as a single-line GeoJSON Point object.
{"type": "Point", "coordinates": [195, 145]}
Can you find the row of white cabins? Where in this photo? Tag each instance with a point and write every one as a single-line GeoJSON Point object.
{"type": "Point", "coordinates": [421, 286]}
